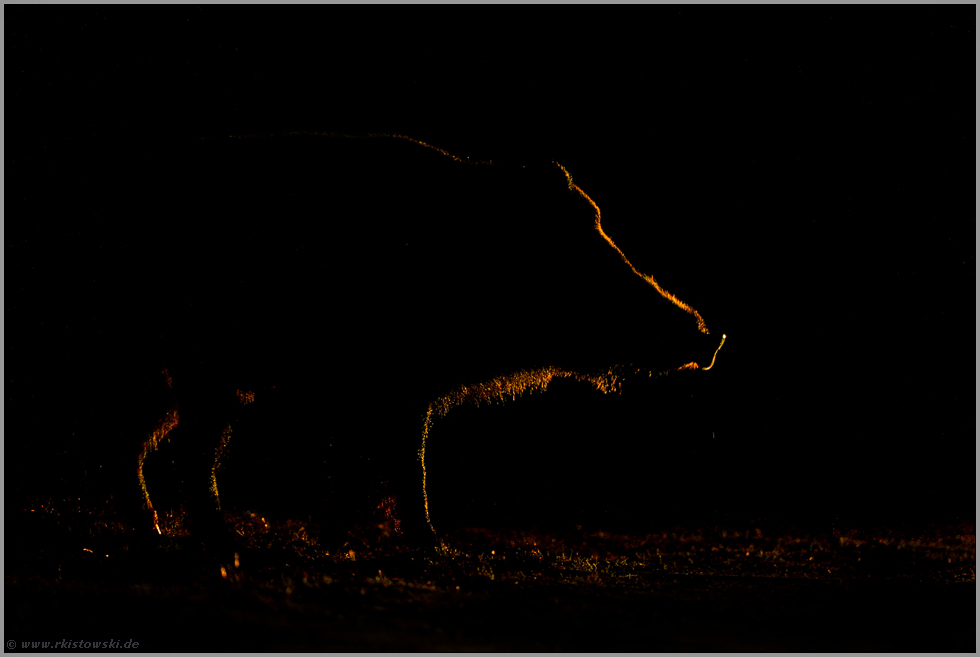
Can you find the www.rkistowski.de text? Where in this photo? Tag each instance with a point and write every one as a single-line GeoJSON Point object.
{"type": "Point", "coordinates": [68, 644]}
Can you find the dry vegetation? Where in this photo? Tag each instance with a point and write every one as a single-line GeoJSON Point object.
{"type": "Point", "coordinates": [75, 570]}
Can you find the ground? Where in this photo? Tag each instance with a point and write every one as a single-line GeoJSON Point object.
{"type": "Point", "coordinates": [77, 573]}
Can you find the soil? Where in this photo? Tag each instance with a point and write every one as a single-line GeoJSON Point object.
{"type": "Point", "coordinates": [80, 575]}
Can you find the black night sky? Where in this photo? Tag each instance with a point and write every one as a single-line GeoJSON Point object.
{"type": "Point", "coordinates": [800, 176]}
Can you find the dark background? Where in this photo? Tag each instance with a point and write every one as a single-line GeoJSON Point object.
{"type": "Point", "coordinates": [801, 176]}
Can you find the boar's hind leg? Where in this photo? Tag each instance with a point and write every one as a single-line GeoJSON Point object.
{"type": "Point", "coordinates": [204, 428]}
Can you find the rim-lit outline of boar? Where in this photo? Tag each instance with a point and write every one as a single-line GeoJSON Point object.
{"type": "Point", "coordinates": [470, 221]}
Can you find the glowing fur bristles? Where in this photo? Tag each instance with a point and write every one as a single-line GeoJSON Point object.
{"type": "Point", "coordinates": [649, 279]}
{"type": "Point", "coordinates": [510, 387]}
{"type": "Point", "coordinates": [495, 390]}
{"type": "Point", "coordinates": [170, 420]}
{"type": "Point", "coordinates": [382, 135]}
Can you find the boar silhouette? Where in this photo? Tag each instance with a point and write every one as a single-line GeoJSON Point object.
{"type": "Point", "coordinates": [360, 288]}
